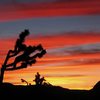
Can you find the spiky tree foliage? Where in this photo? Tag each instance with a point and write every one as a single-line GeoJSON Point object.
{"type": "Point", "coordinates": [24, 55]}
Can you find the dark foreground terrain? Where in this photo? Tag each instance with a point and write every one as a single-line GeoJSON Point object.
{"type": "Point", "coordinates": [32, 92]}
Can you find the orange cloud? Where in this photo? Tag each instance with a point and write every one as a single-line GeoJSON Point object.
{"type": "Point", "coordinates": [68, 39]}
{"type": "Point", "coordinates": [81, 69]}
{"type": "Point", "coordinates": [53, 41]}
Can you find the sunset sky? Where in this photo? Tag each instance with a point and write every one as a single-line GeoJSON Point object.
{"type": "Point", "coordinates": [68, 29]}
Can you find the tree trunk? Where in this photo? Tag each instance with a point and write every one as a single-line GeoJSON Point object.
{"type": "Point", "coordinates": [2, 74]}
{"type": "Point", "coordinates": [4, 68]}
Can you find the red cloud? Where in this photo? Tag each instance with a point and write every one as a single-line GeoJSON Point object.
{"type": "Point", "coordinates": [18, 11]}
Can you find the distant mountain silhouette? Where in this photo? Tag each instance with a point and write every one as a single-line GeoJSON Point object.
{"type": "Point", "coordinates": [34, 92]}
{"type": "Point", "coordinates": [97, 86]}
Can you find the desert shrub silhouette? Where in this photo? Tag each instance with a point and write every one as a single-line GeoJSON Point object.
{"type": "Point", "coordinates": [39, 80]}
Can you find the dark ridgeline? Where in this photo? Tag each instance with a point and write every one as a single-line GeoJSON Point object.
{"type": "Point", "coordinates": [22, 54]}
{"type": "Point", "coordinates": [47, 92]}
{"type": "Point", "coordinates": [41, 90]}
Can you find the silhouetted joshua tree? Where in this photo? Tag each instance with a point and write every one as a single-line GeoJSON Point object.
{"type": "Point", "coordinates": [39, 80]}
{"type": "Point", "coordinates": [24, 55]}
